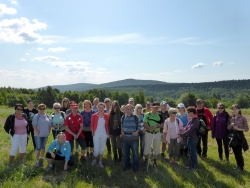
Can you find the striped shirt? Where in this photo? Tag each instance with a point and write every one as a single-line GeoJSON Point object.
{"type": "Point", "coordinates": [129, 125]}
{"type": "Point", "coordinates": [240, 122]}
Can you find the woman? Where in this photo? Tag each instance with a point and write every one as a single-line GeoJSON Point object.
{"type": "Point", "coordinates": [220, 131]}
{"type": "Point", "coordinates": [114, 126]}
{"type": "Point", "coordinates": [59, 149]}
{"type": "Point", "coordinates": [86, 115]}
{"type": "Point", "coordinates": [42, 126]}
{"type": "Point", "coordinates": [123, 109]}
{"type": "Point", "coordinates": [100, 132]}
{"type": "Point", "coordinates": [16, 126]}
{"type": "Point", "coordinates": [57, 120]}
{"type": "Point", "coordinates": [238, 124]}
{"type": "Point", "coordinates": [183, 116]}
{"type": "Point", "coordinates": [138, 112]}
{"type": "Point", "coordinates": [192, 138]}
{"type": "Point", "coordinates": [65, 105]}
{"type": "Point", "coordinates": [172, 128]}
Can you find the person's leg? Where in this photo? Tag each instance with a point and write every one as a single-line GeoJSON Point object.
{"type": "Point", "coordinates": [170, 150]}
{"type": "Point", "coordinates": [43, 144]}
{"type": "Point", "coordinates": [156, 144]}
{"type": "Point", "coordinates": [220, 151]}
{"type": "Point", "coordinates": [119, 147]}
{"type": "Point", "coordinates": [103, 139]}
{"type": "Point", "coordinates": [177, 151]}
{"type": "Point", "coordinates": [199, 147]}
{"type": "Point", "coordinates": [134, 148]}
{"type": "Point", "coordinates": [114, 147]}
{"type": "Point", "coordinates": [97, 142]}
{"type": "Point", "coordinates": [148, 142]}
{"type": "Point", "coordinates": [54, 133]}
{"type": "Point", "coordinates": [28, 134]}
{"type": "Point", "coordinates": [192, 147]}
{"type": "Point", "coordinates": [82, 143]}
{"type": "Point", "coordinates": [33, 136]}
{"type": "Point", "coordinates": [126, 150]}
{"type": "Point", "coordinates": [38, 148]}
{"type": "Point", "coordinates": [163, 145]}
{"type": "Point", "coordinates": [238, 156]}
{"type": "Point", "coordinates": [226, 149]}
{"type": "Point", "coordinates": [87, 142]}
{"type": "Point", "coordinates": [71, 145]}
{"type": "Point", "coordinates": [204, 142]}
{"type": "Point", "coordinates": [91, 143]}
{"type": "Point", "coordinates": [142, 143]}
{"type": "Point", "coordinates": [49, 159]}
{"type": "Point", "coordinates": [14, 147]}
{"type": "Point", "coordinates": [108, 146]}
{"type": "Point", "coordinates": [22, 147]}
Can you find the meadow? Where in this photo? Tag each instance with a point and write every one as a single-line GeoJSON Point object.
{"type": "Point", "coordinates": [211, 172]}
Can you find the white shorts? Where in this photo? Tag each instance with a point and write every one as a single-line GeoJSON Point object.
{"type": "Point", "coordinates": [18, 141]}
{"type": "Point", "coordinates": [156, 143]}
{"type": "Point", "coordinates": [99, 144]}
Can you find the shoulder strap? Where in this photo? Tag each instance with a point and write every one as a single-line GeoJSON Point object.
{"type": "Point", "coordinates": [62, 114]}
{"type": "Point", "coordinates": [122, 119]}
{"type": "Point", "coordinates": [177, 119]}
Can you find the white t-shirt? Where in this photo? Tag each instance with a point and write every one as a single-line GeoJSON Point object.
{"type": "Point", "coordinates": [172, 129]}
{"type": "Point", "coordinates": [100, 130]}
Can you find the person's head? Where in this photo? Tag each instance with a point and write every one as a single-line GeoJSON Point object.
{"type": "Point", "coordinates": [199, 104]}
{"type": "Point", "coordinates": [61, 137]}
{"type": "Point", "coordinates": [123, 108]}
{"type": "Point", "coordinates": [131, 101]}
{"type": "Point", "coordinates": [220, 108]}
{"type": "Point", "coordinates": [138, 109]}
{"type": "Point", "coordinates": [101, 106]}
{"type": "Point", "coordinates": [129, 109]}
{"type": "Point", "coordinates": [41, 108]}
{"type": "Point", "coordinates": [19, 109]}
{"type": "Point", "coordinates": [95, 101]}
{"type": "Point", "coordinates": [172, 112]}
{"type": "Point", "coordinates": [57, 107]}
{"type": "Point", "coordinates": [74, 107]}
{"type": "Point", "coordinates": [148, 105]}
{"type": "Point", "coordinates": [30, 104]}
{"type": "Point", "coordinates": [86, 104]}
{"type": "Point", "coordinates": [181, 107]}
{"type": "Point", "coordinates": [65, 103]}
{"type": "Point", "coordinates": [155, 107]}
{"type": "Point", "coordinates": [107, 102]}
{"type": "Point", "coordinates": [236, 110]}
{"type": "Point", "coordinates": [191, 110]}
{"type": "Point", "coordinates": [115, 107]}
{"type": "Point", "coordinates": [71, 103]}
{"type": "Point", "coordinates": [164, 106]}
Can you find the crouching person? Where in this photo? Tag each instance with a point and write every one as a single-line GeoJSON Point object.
{"type": "Point", "coordinates": [59, 149]}
{"type": "Point", "coordinates": [130, 138]}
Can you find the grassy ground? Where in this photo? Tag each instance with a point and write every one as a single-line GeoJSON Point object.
{"type": "Point", "coordinates": [211, 173]}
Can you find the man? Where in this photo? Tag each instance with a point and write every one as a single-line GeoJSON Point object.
{"type": "Point", "coordinates": [152, 122]}
{"type": "Point", "coordinates": [74, 126]}
{"type": "Point", "coordinates": [148, 107]}
{"type": "Point", "coordinates": [131, 101]}
{"type": "Point", "coordinates": [204, 114]}
{"type": "Point", "coordinates": [165, 115]}
{"type": "Point", "coordinates": [95, 103]}
{"type": "Point", "coordinates": [106, 110]}
{"type": "Point", "coordinates": [30, 111]}
{"type": "Point", "coordinates": [129, 131]}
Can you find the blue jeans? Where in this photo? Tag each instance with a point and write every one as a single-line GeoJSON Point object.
{"type": "Point", "coordinates": [133, 145]}
{"type": "Point", "coordinates": [192, 149]}
{"type": "Point", "coordinates": [40, 142]}
{"type": "Point", "coordinates": [142, 142]}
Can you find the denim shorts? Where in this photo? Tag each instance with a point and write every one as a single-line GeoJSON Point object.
{"type": "Point", "coordinates": [40, 142]}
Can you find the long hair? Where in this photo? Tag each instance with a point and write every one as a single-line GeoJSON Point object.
{"type": "Point", "coordinates": [238, 107]}
{"type": "Point", "coordinates": [221, 105]}
{"type": "Point", "coordinates": [136, 109]}
{"type": "Point", "coordinates": [68, 103]}
{"type": "Point", "coordinates": [117, 112]}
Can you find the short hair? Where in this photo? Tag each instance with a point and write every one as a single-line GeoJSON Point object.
{"type": "Point", "coordinates": [238, 107]}
{"type": "Point", "coordinates": [95, 99]}
{"type": "Point", "coordinates": [171, 110]}
{"type": "Point", "coordinates": [101, 103]}
{"type": "Point", "coordinates": [56, 104]}
{"type": "Point", "coordinates": [30, 101]}
{"type": "Point", "coordinates": [61, 134]}
{"type": "Point", "coordinates": [191, 109]}
{"type": "Point", "coordinates": [41, 105]}
{"type": "Point", "coordinates": [106, 99]}
{"type": "Point", "coordinates": [136, 108]}
{"type": "Point", "coordinates": [19, 105]}
{"type": "Point", "coordinates": [86, 101]}
{"type": "Point", "coordinates": [129, 105]}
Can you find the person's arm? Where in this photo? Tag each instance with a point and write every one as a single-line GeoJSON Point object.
{"type": "Point", "coordinates": [165, 130]}
{"type": "Point", "coordinates": [122, 131]}
{"type": "Point", "coordinates": [92, 125]}
{"type": "Point", "coordinates": [245, 126]}
{"type": "Point", "coordinates": [213, 126]}
{"type": "Point", "coordinates": [137, 127]}
{"type": "Point", "coordinates": [146, 125]}
{"type": "Point", "coordinates": [7, 125]}
{"type": "Point", "coordinates": [80, 130]}
{"type": "Point", "coordinates": [192, 128]}
{"type": "Point", "coordinates": [34, 124]}
{"type": "Point", "coordinates": [210, 117]}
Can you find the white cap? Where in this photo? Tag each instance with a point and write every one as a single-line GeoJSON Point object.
{"type": "Point", "coordinates": [181, 105]}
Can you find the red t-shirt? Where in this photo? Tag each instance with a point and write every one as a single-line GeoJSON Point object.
{"type": "Point", "coordinates": [73, 122]}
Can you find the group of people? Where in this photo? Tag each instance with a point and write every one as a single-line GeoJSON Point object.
{"type": "Point", "coordinates": [129, 128]}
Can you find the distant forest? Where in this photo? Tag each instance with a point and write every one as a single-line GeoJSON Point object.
{"type": "Point", "coordinates": [229, 92]}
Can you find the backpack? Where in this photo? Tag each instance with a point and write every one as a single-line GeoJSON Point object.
{"type": "Point", "coordinates": [135, 117]}
{"type": "Point", "coordinates": [153, 119]}
{"type": "Point", "coordinates": [52, 116]}
{"type": "Point", "coordinates": [233, 139]}
{"type": "Point", "coordinates": [39, 117]}
{"type": "Point", "coordinates": [201, 131]}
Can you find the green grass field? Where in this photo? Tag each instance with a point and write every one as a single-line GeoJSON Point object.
{"type": "Point", "coordinates": [211, 172]}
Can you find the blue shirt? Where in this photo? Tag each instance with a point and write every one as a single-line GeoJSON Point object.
{"type": "Point", "coordinates": [86, 116]}
{"type": "Point", "coordinates": [130, 125]}
{"type": "Point", "coordinates": [65, 150]}
{"type": "Point", "coordinates": [183, 119]}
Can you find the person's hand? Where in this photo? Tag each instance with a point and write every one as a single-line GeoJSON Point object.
{"type": "Point", "coordinates": [75, 136]}
{"type": "Point", "coordinates": [134, 133]}
{"type": "Point", "coordinates": [178, 136]}
{"type": "Point", "coordinates": [165, 141]}
{"type": "Point", "coordinates": [108, 136]}
{"type": "Point", "coordinates": [38, 133]}
{"type": "Point", "coordinates": [144, 130]}
{"type": "Point", "coordinates": [208, 128]}
{"type": "Point", "coordinates": [154, 127]}
{"type": "Point", "coordinates": [231, 125]}
{"type": "Point", "coordinates": [235, 128]}
{"type": "Point", "coordinates": [53, 155]}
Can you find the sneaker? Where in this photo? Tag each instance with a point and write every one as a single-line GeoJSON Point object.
{"type": "Point", "coordinates": [93, 162]}
{"type": "Point", "coordinates": [101, 165]}
{"type": "Point", "coordinates": [37, 164]}
{"type": "Point", "coordinates": [49, 168]}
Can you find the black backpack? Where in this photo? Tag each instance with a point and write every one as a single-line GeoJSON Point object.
{"type": "Point", "coordinates": [233, 139]}
{"type": "Point", "coordinates": [201, 131]}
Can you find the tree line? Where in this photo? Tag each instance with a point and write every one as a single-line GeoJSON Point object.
{"type": "Point", "coordinates": [10, 96]}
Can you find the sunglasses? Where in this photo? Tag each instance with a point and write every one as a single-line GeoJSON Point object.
{"type": "Point", "coordinates": [106, 101]}
{"type": "Point", "coordinates": [56, 108]}
{"type": "Point", "coordinates": [198, 103]}
{"type": "Point", "coordinates": [139, 108]}
{"type": "Point", "coordinates": [41, 108]}
{"type": "Point", "coordinates": [221, 108]}
{"type": "Point", "coordinates": [65, 101]}
{"type": "Point", "coordinates": [188, 111]}
{"type": "Point", "coordinates": [19, 109]}
{"type": "Point", "coordinates": [174, 113]}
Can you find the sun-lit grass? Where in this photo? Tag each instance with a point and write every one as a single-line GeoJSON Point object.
{"type": "Point", "coordinates": [211, 173]}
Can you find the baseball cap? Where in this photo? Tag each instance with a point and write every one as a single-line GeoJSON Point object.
{"type": "Point", "coordinates": [199, 100]}
{"type": "Point", "coordinates": [163, 102]}
{"type": "Point", "coordinates": [155, 104]}
{"type": "Point", "coordinates": [148, 102]}
{"type": "Point", "coordinates": [131, 99]}
{"type": "Point", "coordinates": [74, 106]}
{"type": "Point", "coordinates": [181, 105]}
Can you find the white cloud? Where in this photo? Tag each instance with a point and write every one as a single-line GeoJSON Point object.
{"type": "Point", "coordinates": [218, 63]}
{"type": "Point", "coordinates": [58, 49]}
{"type": "Point", "coordinates": [46, 58]}
{"type": "Point", "coordinates": [198, 65]}
{"type": "Point", "coordinates": [22, 59]}
{"type": "Point", "coordinates": [40, 49]}
{"type": "Point", "coordinates": [48, 41]}
{"type": "Point", "coordinates": [5, 10]}
{"type": "Point", "coordinates": [13, 2]}
{"type": "Point", "coordinates": [21, 30]}
{"type": "Point", "coordinates": [27, 54]}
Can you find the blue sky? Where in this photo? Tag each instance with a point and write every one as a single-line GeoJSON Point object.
{"type": "Point", "coordinates": [86, 41]}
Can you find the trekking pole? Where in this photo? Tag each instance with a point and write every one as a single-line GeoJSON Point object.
{"type": "Point", "coordinates": [151, 150]}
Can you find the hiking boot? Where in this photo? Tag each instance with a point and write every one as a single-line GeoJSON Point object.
{"type": "Point", "coordinates": [100, 164]}
{"type": "Point", "coordinates": [49, 168]}
{"type": "Point", "coordinates": [37, 164]}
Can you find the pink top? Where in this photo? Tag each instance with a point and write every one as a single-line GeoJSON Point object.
{"type": "Point", "coordinates": [172, 129]}
{"type": "Point", "coordinates": [20, 126]}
